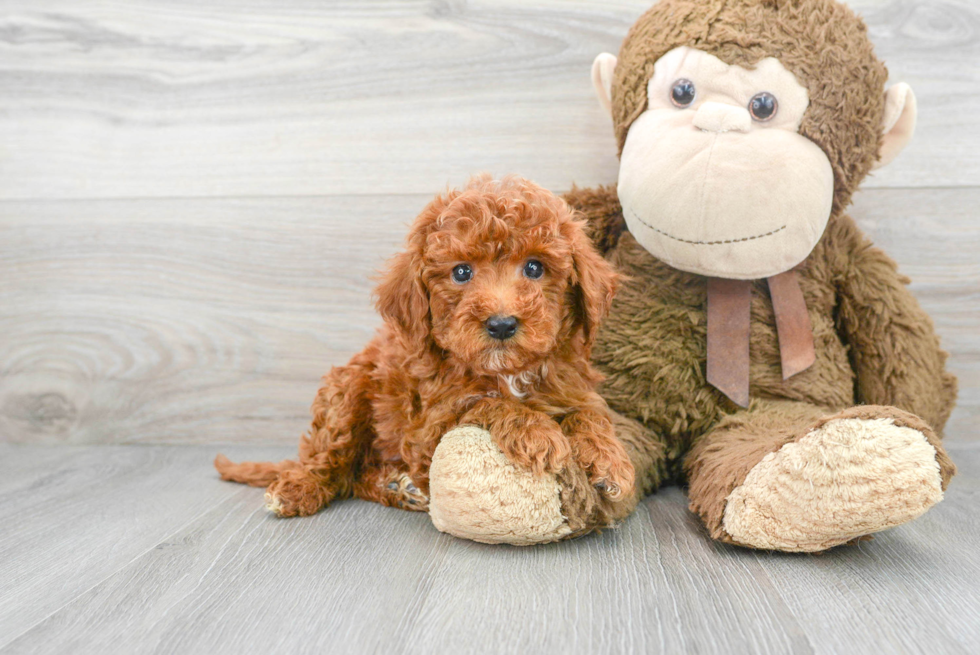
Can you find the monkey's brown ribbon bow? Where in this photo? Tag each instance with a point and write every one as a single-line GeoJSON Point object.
{"type": "Point", "coordinates": [729, 313]}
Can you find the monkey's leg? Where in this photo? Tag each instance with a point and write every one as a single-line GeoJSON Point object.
{"type": "Point", "coordinates": [476, 493]}
{"type": "Point", "coordinates": [330, 454]}
{"type": "Point", "coordinates": [784, 475]}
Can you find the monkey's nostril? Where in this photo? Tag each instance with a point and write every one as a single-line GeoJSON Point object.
{"type": "Point", "coordinates": [501, 327]}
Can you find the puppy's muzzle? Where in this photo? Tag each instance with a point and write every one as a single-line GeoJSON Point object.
{"type": "Point", "coordinates": [501, 327]}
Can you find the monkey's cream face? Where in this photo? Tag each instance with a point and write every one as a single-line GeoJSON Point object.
{"type": "Point", "coordinates": [714, 177]}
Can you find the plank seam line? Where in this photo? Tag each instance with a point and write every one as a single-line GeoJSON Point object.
{"type": "Point", "coordinates": [424, 194]}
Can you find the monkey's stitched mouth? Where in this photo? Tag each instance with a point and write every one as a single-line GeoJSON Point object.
{"type": "Point", "coordinates": [705, 243]}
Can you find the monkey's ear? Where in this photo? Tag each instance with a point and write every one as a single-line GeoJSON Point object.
{"type": "Point", "coordinates": [897, 123]}
{"type": "Point", "coordinates": [602, 78]}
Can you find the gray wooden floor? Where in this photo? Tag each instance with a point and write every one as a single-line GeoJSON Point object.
{"type": "Point", "coordinates": [193, 197]}
{"type": "Point", "coordinates": [135, 549]}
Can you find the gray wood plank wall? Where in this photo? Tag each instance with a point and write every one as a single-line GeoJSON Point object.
{"type": "Point", "coordinates": [193, 196]}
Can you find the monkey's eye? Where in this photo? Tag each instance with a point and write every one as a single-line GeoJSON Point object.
{"type": "Point", "coordinates": [763, 106]}
{"type": "Point", "coordinates": [533, 269]}
{"type": "Point", "coordinates": [462, 273]}
{"type": "Point", "coordinates": [682, 93]}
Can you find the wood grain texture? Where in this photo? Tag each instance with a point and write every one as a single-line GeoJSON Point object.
{"type": "Point", "coordinates": [183, 321]}
{"type": "Point", "coordinates": [72, 516]}
{"type": "Point", "coordinates": [212, 320]}
{"type": "Point", "coordinates": [146, 98]}
{"type": "Point", "coordinates": [362, 578]}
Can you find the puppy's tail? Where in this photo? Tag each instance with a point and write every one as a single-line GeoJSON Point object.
{"type": "Point", "coordinates": [255, 474]}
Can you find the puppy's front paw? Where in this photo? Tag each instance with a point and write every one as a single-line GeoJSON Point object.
{"type": "Point", "coordinates": [601, 455]}
{"type": "Point", "coordinates": [615, 479]}
{"type": "Point", "coordinates": [539, 445]}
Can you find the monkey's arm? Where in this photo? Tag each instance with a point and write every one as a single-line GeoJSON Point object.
{"type": "Point", "coordinates": [603, 214]}
{"type": "Point", "coordinates": [893, 343]}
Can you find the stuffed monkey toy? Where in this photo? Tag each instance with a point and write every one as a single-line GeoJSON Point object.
{"type": "Point", "coordinates": [762, 351]}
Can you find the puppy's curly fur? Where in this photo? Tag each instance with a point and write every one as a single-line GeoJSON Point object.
{"type": "Point", "coordinates": [434, 365]}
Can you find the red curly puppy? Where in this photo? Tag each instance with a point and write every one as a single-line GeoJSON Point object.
{"type": "Point", "coordinates": [490, 315]}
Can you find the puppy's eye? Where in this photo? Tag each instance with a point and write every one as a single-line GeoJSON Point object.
{"type": "Point", "coordinates": [682, 93]}
{"type": "Point", "coordinates": [533, 269]}
{"type": "Point", "coordinates": [763, 106]}
{"type": "Point", "coordinates": [462, 273]}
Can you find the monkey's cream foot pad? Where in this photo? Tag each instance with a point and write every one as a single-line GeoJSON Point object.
{"type": "Point", "coordinates": [476, 493]}
{"type": "Point", "coordinates": [848, 478]}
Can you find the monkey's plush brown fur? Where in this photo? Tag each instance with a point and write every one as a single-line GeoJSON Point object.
{"type": "Point", "coordinates": [875, 347]}
{"type": "Point", "coordinates": [432, 367]}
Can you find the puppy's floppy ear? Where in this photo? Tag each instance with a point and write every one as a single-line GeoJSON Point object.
{"type": "Point", "coordinates": [595, 283]}
{"type": "Point", "coordinates": [403, 300]}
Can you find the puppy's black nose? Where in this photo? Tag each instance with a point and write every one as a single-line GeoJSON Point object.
{"type": "Point", "coordinates": [501, 327]}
